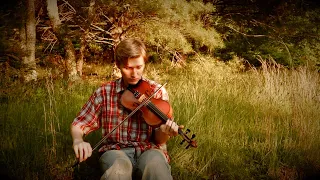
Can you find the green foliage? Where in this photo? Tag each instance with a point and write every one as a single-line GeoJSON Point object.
{"type": "Point", "coordinates": [177, 26]}
{"type": "Point", "coordinates": [166, 38]}
{"type": "Point", "coordinates": [95, 48]}
{"type": "Point", "coordinates": [289, 35]}
{"type": "Point", "coordinates": [284, 31]}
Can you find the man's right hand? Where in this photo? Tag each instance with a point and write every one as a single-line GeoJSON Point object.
{"type": "Point", "coordinates": [82, 149]}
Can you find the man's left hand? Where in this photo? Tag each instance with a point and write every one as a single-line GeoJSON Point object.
{"type": "Point", "coordinates": [170, 128]}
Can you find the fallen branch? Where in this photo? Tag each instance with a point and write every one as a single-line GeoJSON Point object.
{"type": "Point", "coordinates": [248, 35]}
{"type": "Point", "coordinates": [66, 2]}
{"type": "Point", "coordinates": [104, 42]}
{"type": "Point", "coordinates": [100, 29]}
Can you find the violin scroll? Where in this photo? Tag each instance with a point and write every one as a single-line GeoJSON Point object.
{"type": "Point", "coordinates": [190, 142]}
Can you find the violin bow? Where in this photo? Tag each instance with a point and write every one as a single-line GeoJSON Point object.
{"type": "Point", "coordinates": [131, 114]}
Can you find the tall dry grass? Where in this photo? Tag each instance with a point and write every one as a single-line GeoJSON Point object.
{"type": "Point", "coordinates": [256, 124]}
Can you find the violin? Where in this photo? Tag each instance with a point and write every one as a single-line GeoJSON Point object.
{"type": "Point", "coordinates": [155, 111]}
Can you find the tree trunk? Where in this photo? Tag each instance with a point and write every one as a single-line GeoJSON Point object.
{"type": "Point", "coordinates": [70, 55]}
{"type": "Point", "coordinates": [28, 42]}
{"type": "Point", "coordinates": [70, 59]}
{"type": "Point", "coordinates": [53, 13]}
{"type": "Point", "coordinates": [84, 38]}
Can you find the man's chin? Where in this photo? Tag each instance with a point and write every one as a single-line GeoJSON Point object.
{"type": "Point", "coordinates": [133, 82]}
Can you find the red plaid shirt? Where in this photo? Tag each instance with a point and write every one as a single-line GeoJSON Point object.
{"type": "Point", "coordinates": [103, 109]}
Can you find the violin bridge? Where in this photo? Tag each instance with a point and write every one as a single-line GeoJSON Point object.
{"type": "Point", "coordinates": [141, 98]}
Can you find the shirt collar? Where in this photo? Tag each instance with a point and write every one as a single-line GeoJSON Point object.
{"type": "Point", "coordinates": [119, 85]}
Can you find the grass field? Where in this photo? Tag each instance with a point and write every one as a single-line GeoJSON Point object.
{"type": "Point", "coordinates": [257, 124]}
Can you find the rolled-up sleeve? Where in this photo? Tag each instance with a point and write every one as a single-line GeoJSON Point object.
{"type": "Point", "coordinates": [89, 117]}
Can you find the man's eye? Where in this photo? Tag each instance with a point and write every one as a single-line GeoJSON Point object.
{"type": "Point", "coordinates": [139, 67]}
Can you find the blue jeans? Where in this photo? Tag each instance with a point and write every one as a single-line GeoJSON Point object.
{"type": "Point", "coordinates": [123, 165]}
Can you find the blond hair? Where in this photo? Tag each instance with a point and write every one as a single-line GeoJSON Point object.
{"type": "Point", "coordinates": [129, 48]}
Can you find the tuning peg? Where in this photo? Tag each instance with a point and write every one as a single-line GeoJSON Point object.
{"type": "Point", "coordinates": [187, 131]}
{"type": "Point", "coordinates": [182, 142]}
{"type": "Point", "coordinates": [193, 136]}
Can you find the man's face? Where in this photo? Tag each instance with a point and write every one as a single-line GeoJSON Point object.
{"type": "Point", "coordinates": [132, 71]}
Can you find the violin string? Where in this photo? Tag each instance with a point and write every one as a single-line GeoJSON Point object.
{"type": "Point", "coordinates": [162, 116]}
{"type": "Point", "coordinates": [132, 112]}
{"type": "Point", "coordinates": [151, 105]}
{"type": "Point", "coordinates": [157, 111]}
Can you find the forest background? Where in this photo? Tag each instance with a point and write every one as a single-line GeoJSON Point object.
{"type": "Point", "coordinates": [243, 76]}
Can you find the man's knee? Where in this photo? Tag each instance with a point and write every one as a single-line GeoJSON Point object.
{"type": "Point", "coordinates": [153, 163]}
{"type": "Point", "coordinates": [115, 165]}
{"type": "Point", "coordinates": [153, 155]}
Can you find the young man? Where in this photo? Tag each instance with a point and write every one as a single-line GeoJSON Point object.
{"type": "Point", "coordinates": [134, 147]}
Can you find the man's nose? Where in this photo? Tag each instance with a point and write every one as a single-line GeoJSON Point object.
{"type": "Point", "coordinates": [134, 72]}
